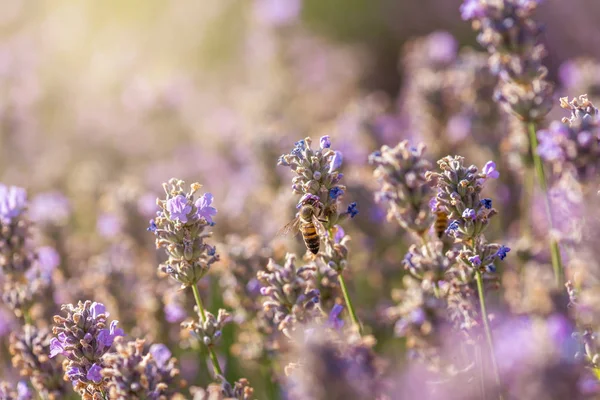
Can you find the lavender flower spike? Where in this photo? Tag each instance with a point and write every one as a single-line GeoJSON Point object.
{"type": "Point", "coordinates": [180, 228]}
{"type": "Point", "coordinates": [83, 338]}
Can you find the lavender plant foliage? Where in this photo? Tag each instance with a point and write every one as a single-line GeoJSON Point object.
{"type": "Point", "coordinates": [30, 350]}
{"type": "Point", "coordinates": [180, 228]}
{"type": "Point", "coordinates": [82, 337]}
{"type": "Point", "coordinates": [573, 144]}
{"type": "Point", "coordinates": [512, 37]}
{"type": "Point", "coordinates": [400, 172]}
{"type": "Point", "coordinates": [136, 371]}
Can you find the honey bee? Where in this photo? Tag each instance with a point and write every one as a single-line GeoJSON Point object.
{"type": "Point", "coordinates": [308, 223]}
{"type": "Point", "coordinates": [441, 223]}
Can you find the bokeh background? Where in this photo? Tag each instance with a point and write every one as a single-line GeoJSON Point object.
{"type": "Point", "coordinates": [103, 101]}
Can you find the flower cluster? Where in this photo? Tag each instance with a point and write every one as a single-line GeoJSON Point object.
{"type": "Point", "coordinates": [180, 228]}
{"type": "Point", "coordinates": [428, 263]}
{"type": "Point", "coordinates": [459, 189]}
{"type": "Point", "coordinates": [210, 329]}
{"type": "Point", "coordinates": [15, 256]}
{"type": "Point", "coordinates": [22, 393]}
{"type": "Point", "coordinates": [512, 37]}
{"type": "Point", "coordinates": [400, 172]}
{"type": "Point", "coordinates": [134, 371]}
{"type": "Point", "coordinates": [83, 338]}
{"type": "Point", "coordinates": [317, 174]}
{"type": "Point", "coordinates": [30, 349]}
{"type": "Point", "coordinates": [290, 294]}
{"type": "Point", "coordinates": [573, 145]}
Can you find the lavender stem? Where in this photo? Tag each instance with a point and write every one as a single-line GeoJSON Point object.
{"type": "Point", "coordinates": [351, 310]}
{"type": "Point", "coordinates": [202, 314]}
{"type": "Point", "coordinates": [486, 325]}
{"type": "Point", "coordinates": [559, 274]}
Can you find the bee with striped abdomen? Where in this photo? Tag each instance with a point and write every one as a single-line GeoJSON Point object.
{"type": "Point", "coordinates": [307, 222]}
{"type": "Point", "coordinates": [441, 223]}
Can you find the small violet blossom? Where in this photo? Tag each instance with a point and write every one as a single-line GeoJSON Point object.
{"type": "Point", "coordinates": [205, 210]}
{"type": "Point", "coordinates": [179, 208]}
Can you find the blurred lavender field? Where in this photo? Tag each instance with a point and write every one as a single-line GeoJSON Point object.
{"type": "Point", "coordinates": [439, 157]}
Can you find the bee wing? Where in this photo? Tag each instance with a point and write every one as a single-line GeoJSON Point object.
{"type": "Point", "coordinates": [319, 226]}
{"type": "Point", "coordinates": [291, 227]}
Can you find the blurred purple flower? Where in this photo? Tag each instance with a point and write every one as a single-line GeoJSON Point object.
{"type": "Point", "coordinates": [550, 139]}
{"type": "Point", "coordinates": [179, 208]}
{"type": "Point", "coordinates": [23, 391]}
{"type": "Point", "coordinates": [50, 207]}
{"type": "Point", "coordinates": [569, 75]}
{"type": "Point", "coordinates": [458, 128]}
{"type": "Point", "coordinates": [204, 207]}
{"type": "Point", "coordinates": [160, 353]}
{"type": "Point", "coordinates": [94, 373]}
{"type": "Point", "coordinates": [334, 319]}
{"type": "Point", "coordinates": [325, 142]}
{"type": "Point", "coordinates": [442, 47]}
{"type": "Point", "coordinates": [174, 312]}
{"type": "Point", "coordinates": [339, 233]}
{"type": "Point", "coordinates": [336, 162]}
{"type": "Point", "coordinates": [48, 259]}
{"type": "Point", "coordinates": [277, 12]}
{"type": "Point", "coordinates": [13, 201]}
{"type": "Point", "coordinates": [109, 225]}
{"type": "Point", "coordinates": [471, 9]}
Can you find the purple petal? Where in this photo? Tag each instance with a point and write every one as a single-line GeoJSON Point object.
{"type": "Point", "coordinates": [161, 354]}
{"type": "Point", "coordinates": [94, 374]}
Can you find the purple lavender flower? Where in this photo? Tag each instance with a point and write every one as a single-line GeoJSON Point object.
{"type": "Point", "coordinates": [475, 260]}
{"type": "Point", "coordinates": [325, 142]}
{"type": "Point", "coordinates": [13, 201]}
{"type": "Point", "coordinates": [179, 208]}
{"type": "Point", "coordinates": [502, 251]}
{"type": "Point", "coordinates": [336, 161]}
{"type": "Point", "coordinates": [352, 210]}
{"type": "Point", "coordinates": [489, 169]}
{"type": "Point", "coordinates": [204, 207]}
{"type": "Point", "coordinates": [334, 319]}
{"type": "Point", "coordinates": [82, 337]}
{"type": "Point", "coordinates": [94, 373]}
{"type": "Point", "coordinates": [190, 257]}
{"type": "Point", "coordinates": [160, 353]}
{"type": "Point", "coordinates": [335, 192]}
{"type": "Point", "coordinates": [486, 203]}
{"type": "Point", "coordinates": [109, 225]}
{"type": "Point", "coordinates": [469, 213]}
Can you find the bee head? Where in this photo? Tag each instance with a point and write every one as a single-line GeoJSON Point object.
{"type": "Point", "coordinates": [307, 211]}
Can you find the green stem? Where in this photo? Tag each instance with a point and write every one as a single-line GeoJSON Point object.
{"type": "Point", "coordinates": [479, 361]}
{"type": "Point", "coordinates": [353, 316]}
{"type": "Point", "coordinates": [202, 313]}
{"type": "Point", "coordinates": [486, 326]}
{"type": "Point", "coordinates": [559, 274]}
